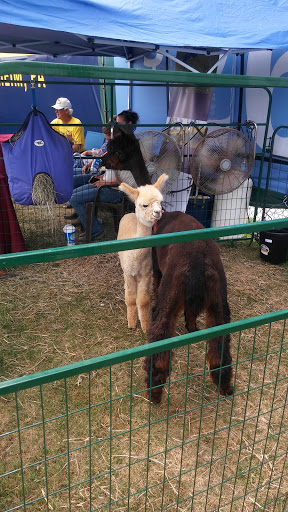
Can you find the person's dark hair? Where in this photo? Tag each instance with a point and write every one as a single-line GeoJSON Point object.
{"type": "Point", "coordinates": [129, 116]}
{"type": "Point", "coordinates": [106, 130]}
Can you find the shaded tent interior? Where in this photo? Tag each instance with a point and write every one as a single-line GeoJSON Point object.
{"type": "Point", "coordinates": [215, 34]}
{"type": "Point", "coordinates": [112, 75]}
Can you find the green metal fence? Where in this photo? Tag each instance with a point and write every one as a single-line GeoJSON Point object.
{"type": "Point", "coordinates": [83, 437]}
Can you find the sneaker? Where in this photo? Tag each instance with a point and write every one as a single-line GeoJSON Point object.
{"type": "Point", "coordinates": [98, 237]}
{"type": "Point", "coordinates": [73, 216]}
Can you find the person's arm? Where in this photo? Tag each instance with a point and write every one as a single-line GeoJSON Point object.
{"type": "Point", "coordinates": [76, 148]}
{"type": "Point", "coordinates": [86, 168]}
{"type": "Point", "coordinates": [88, 152]}
{"type": "Point", "coordinates": [101, 182]}
{"type": "Point", "coordinates": [55, 126]}
{"type": "Point", "coordinates": [92, 152]}
{"type": "Point", "coordinates": [108, 178]}
{"type": "Point", "coordinates": [78, 139]}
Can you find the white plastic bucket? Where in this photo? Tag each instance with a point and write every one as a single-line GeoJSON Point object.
{"type": "Point", "coordinates": [232, 208]}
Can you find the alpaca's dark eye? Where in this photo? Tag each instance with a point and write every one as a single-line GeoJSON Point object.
{"type": "Point", "coordinates": [145, 205]}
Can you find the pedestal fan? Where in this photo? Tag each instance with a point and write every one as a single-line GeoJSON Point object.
{"type": "Point", "coordinates": [222, 161]}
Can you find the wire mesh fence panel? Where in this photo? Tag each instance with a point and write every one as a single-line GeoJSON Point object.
{"type": "Point", "coordinates": [87, 437]}
{"type": "Point", "coordinates": [226, 210]}
{"type": "Point", "coordinates": [43, 229]}
{"type": "Point", "coordinates": [270, 194]}
{"type": "Point", "coordinates": [40, 227]}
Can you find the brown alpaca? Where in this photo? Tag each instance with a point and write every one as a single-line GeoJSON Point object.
{"type": "Point", "coordinates": [188, 277]}
{"type": "Point", "coordinates": [137, 264]}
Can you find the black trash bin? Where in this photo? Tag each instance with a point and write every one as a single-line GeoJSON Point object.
{"type": "Point", "coordinates": [274, 245]}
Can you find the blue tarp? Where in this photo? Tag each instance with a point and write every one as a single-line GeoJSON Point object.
{"type": "Point", "coordinates": [261, 24]}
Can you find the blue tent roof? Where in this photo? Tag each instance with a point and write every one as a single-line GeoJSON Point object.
{"type": "Point", "coordinates": [129, 29]}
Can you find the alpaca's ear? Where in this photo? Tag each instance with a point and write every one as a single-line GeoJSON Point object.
{"type": "Point", "coordinates": [131, 192]}
{"type": "Point", "coordinates": [161, 181]}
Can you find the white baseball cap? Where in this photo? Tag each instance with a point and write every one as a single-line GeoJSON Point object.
{"type": "Point", "coordinates": [62, 103]}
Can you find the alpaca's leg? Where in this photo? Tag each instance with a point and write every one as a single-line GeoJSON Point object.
{"type": "Point", "coordinates": [157, 374]}
{"type": "Point", "coordinates": [157, 275]}
{"type": "Point", "coordinates": [162, 326]}
{"type": "Point", "coordinates": [219, 360]}
{"type": "Point", "coordinates": [144, 290]}
{"type": "Point", "coordinates": [130, 300]}
{"type": "Point", "coordinates": [219, 357]}
{"type": "Point", "coordinates": [190, 319]}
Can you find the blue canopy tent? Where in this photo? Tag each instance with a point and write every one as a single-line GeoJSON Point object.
{"type": "Point", "coordinates": [127, 29]}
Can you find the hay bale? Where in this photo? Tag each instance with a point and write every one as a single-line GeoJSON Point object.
{"type": "Point", "coordinates": [43, 195]}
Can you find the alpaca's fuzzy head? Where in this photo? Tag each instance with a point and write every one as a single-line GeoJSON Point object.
{"type": "Point", "coordinates": [148, 200]}
{"type": "Point", "coordinates": [121, 147]}
{"type": "Point", "coordinates": [124, 153]}
{"type": "Point", "coordinates": [148, 205]}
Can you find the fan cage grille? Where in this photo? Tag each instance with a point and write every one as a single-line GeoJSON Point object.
{"type": "Point", "coordinates": [222, 161]}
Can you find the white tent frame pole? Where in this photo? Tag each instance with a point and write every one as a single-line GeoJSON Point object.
{"type": "Point", "coordinates": [218, 61]}
{"type": "Point", "coordinates": [129, 91]}
{"type": "Point", "coordinates": [166, 54]}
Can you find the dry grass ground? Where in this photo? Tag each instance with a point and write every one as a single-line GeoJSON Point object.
{"type": "Point", "coordinates": [60, 313]}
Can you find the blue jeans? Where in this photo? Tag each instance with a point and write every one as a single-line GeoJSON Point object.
{"type": "Point", "coordinates": [77, 169]}
{"type": "Point", "coordinates": [86, 193]}
{"type": "Point", "coordinates": [80, 179]}
{"type": "Point", "coordinates": [77, 165]}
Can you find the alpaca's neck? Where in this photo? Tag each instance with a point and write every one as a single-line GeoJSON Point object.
{"type": "Point", "coordinates": [138, 169]}
{"type": "Point", "coordinates": [142, 230]}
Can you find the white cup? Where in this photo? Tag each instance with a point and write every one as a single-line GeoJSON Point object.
{"type": "Point", "coordinates": [69, 232]}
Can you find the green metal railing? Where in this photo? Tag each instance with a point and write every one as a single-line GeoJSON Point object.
{"type": "Point", "coordinates": [69, 446]}
{"type": "Point", "coordinates": [59, 253]}
{"type": "Point", "coordinates": [116, 77]}
{"type": "Point", "coordinates": [145, 75]}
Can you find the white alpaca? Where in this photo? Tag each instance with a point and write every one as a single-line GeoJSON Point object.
{"type": "Point", "coordinates": [137, 263]}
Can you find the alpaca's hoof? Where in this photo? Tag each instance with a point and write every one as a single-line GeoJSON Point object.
{"type": "Point", "coordinates": [227, 391]}
{"type": "Point", "coordinates": [154, 396]}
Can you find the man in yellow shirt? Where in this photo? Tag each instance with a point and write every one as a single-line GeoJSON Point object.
{"type": "Point", "coordinates": [75, 134]}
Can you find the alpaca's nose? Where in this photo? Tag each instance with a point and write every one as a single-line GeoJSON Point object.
{"type": "Point", "coordinates": [157, 213]}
